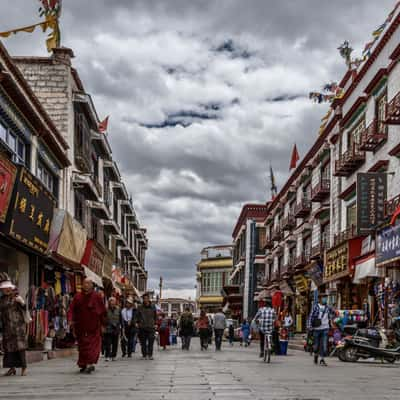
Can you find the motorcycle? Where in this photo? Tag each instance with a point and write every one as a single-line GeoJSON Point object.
{"type": "Point", "coordinates": [368, 343]}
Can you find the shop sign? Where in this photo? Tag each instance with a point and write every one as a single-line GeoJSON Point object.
{"type": "Point", "coordinates": [67, 237]}
{"type": "Point", "coordinates": [371, 196]}
{"type": "Point", "coordinates": [93, 257]}
{"type": "Point", "coordinates": [337, 263]}
{"type": "Point", "coordinates": [388, 245]}
{"type": "Point", "coordinates": [30, 219]}
{"type": "Point", "coordinates": [301, 283]}
{"type": "Point", "coordinates": [108, 264]}
{"type": "Point", "coordinates": [8, 172]}
{"type": "Point", "coordinates": [314, 272]}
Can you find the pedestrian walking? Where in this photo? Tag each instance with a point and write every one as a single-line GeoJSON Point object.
{"type": "Point", "coordinates": [163, 331]}
{"type": "Point", "coordinates": [13, 315]}
{"type": "Point", "coordinates": [202, 325]}
{"type": "Point", "coordinates": [219, 327]}
{"type": "Point", "coordinates": [129, 331]}
{"type": "Point", "coordinates": [88, 315]}
{"type": "Point", "coordinates": [112, 330]}
{"type": "Point", "coordinates": [320, 324]}
{"type": "Point", "coordinates": [146, 318]}
{"type": "Point", "coordinates": [173, 332]}
{"type": "Point", "coordinates": [245, 329]}
{"type": "Point", "coordinates": [231, 334]}
{"type": "Point", "coordinates": [186, 328]}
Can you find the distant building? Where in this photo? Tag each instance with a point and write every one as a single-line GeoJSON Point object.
{"type": "Point", "coordinates": [248, 270]}
{"type": "Point", "coordinates": [212, 275]}
{"type": "Point", "coordinates": [173, 306]}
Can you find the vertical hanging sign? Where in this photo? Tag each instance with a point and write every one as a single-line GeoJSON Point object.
{"type": "Point", "coordinates": [371, 196]}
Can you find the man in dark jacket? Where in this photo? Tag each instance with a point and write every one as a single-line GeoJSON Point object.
{"type": "Point", "coordinates": [146, 318]}
{"type": "Point", "coordinates": [113, 328]}
{"type": "Point", "coordinates": [186, 327]}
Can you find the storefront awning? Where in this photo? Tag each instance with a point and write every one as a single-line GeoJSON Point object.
{"type": "Point", "coordinates": [93, 277]}
{"type": "Point", "coordinates": [211, 300]}
{"type": "Point", "coordinates": [366, 268]}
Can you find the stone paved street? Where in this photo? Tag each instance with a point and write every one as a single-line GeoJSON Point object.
{"type": "Point", "coordinates": [234, 373]}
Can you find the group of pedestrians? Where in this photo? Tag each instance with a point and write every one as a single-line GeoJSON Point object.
{"type": "Point", "coordinates": [97, 327]}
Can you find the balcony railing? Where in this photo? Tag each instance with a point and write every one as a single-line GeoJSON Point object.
{"type": "Point", "coordinates": [391, 206]}
{"type": "Point", "coordinates": [345, 235]}
{"type": "Point", "coordinates": [303, 208]}
{"type": "Point", "coordinates": [373, 136]}
{"type": "Point", "coordinates": [320, 191]}
{"type": "Point", "coordinates": [393, 111]}
{"type": "Point", "coordinates": [302, 260]}
{"type": "Point", "coordinates": [349, 161]}
{"type": "Point", "coordinates": [277, 234]}
{"type": "Point", "coordinates": [269, 242]}
{"type": "Point", "coordinates": [318, 250]}
{"type": "Point", "coordinates": [275, 275]}
{"type": "Point", "coordinates": [289, 222]}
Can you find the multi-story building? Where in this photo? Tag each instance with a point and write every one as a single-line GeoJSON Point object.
{"type": "Point", "coordinates": [322, 227]}
{"type": "Point", "coordinates": [213, 273]}
{"type": "Point", "coordinates": [248, 271]}
{"type": "Point", "coordinates": [32, 147]}
{"type": "Point", "coordinates": [91, 190]}
{"type": "Point", "coordinates": [173, 307]}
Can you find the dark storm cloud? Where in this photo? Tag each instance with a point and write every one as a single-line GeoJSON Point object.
{"type": "Point", "coordinates": [203, 95]}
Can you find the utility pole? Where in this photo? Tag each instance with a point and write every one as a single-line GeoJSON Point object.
{"type": "Point", "coordinates": [160, 286]}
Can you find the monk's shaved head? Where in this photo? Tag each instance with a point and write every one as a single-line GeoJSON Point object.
{"type": "Point", "coordinates": [87, 285]}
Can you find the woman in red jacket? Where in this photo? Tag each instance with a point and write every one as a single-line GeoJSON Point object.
{"type": "Point", "coordinates": [202, 326]}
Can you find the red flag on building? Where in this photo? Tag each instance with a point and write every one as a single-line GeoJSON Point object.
{"type": "Point", "coordinates": [103, 125]}
{"type": "Point", "coordinates": [294, 159]}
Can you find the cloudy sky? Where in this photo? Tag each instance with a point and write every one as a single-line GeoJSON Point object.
{"type": "Point", "coordinates": [203, 95]}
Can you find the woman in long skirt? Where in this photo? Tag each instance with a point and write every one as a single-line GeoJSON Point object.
{"type": "Point", "coordinates": [163, 330]}
{"type": "Point", "coordinates": [12, 316]}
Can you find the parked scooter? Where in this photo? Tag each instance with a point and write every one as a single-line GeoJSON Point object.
{"type": "Point", "coordinates": [368, 343]}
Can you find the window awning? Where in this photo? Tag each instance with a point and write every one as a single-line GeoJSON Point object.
{"type": "Point", "coordinates": [365, 268]}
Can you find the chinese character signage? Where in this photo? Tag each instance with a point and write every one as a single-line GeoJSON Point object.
{"type": "Point", "coordinates": [30, 219]}
{"type": "Point", "coordinates": [371, 196]}
{"type": "Point", "coordinates": [93, 257]}
{"type": "Point", "coordinates": [8, 172]}
{"type": "Point", "coordinates": [388, 245]}
{"type": "Point", "coordinates": [336, 264]}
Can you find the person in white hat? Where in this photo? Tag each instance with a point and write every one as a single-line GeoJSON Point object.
{"type": "Point", "coordinates": [12, 317]}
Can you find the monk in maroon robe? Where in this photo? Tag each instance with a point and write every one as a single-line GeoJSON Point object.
{"type": "Point", "coordinates": [88, 315]}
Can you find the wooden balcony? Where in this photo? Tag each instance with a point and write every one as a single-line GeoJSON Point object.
{"type": "Point", "coordinates": [320, 191]}
{"type": "Point", "coordinates": [289, 222]}
{"type": "Point", "coordinates": [345, 235]}
{"type": "Point", "coordinates": [393, 111]}
{"type": "Point", "coordinates": [302, 260]}
{"type": "Point", "coordinates": [391, 206]}
{"type": "Point", "coordinates": [277, 234]}
{"type": "Point", "coordinates": [373, 136]}
{"type": "Point", "coordinates": [275, 275]}
{"type": "Point", "coordinates": [269, 242]}
{"type": "Point", "coordinates": [318, 251]}
{"type": "Point", "coordinates": [303, 208]}
{"type": "Point", "coordinates": [349, 161]}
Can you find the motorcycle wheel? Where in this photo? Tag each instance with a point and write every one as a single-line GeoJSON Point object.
{"type": "Point", "coordinates": [341, 355]}
{"type": "Point", "coordinates": [350, 354]}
